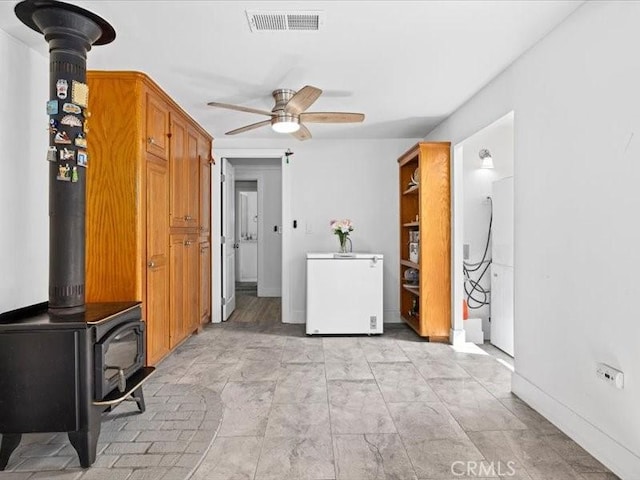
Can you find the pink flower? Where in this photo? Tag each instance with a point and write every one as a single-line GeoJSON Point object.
{"type": "Point", "coordinates": [341, 226]}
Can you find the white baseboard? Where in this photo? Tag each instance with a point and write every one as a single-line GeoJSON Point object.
{"type": "Point", "coordinates": [298, 316]}
{"type": "Point", "coordinates": [457, 337]}
{"type": "Point", "coordinates": [269, 292]}
{"type": "Point", "coordinates": [392, 316]}
{"type": "Point", "coordinates": [605, 449]}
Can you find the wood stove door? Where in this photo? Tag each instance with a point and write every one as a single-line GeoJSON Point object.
{"type": "Point", "coordinates": [117, 356]}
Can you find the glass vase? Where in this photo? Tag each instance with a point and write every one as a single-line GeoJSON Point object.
{"type": "Point", "coordinates": [343, 237]}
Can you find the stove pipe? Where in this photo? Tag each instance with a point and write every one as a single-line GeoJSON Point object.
{"type": "Point", "coordinates": [70, 32]}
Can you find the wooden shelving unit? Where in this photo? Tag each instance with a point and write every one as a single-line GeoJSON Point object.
{"type": "Point", "coordinates": [426, 208]}
{"type": "Point", "coordinates": [409, 264]}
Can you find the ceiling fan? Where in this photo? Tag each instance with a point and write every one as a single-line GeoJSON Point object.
{"type": "Point", "coordinates": [289, 113]}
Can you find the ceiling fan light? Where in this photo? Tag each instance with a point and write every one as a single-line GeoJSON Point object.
{"type": "Point", "coordinates": [285, 124]}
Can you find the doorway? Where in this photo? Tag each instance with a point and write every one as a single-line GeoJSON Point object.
{"type": "Point", "coordinates": [483, 264]}
{"type": "Point", "coordinates": [246, 207]}
{"type": "Point", "coordinates": [251, 242]}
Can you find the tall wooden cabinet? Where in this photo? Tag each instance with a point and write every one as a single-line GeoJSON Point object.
{"type": "Point", "coordinates": [425, 213]}
{"type": "Point", "coordinates": [148, 207]}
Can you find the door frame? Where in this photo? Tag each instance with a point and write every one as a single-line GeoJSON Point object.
{"type": "Point", "coordinates": [227, 248]}
{"type": "Point", "coordinates": [457, 335]}
{"type": "Point", "coordinates": [216, 283]}
{"type": "Point", "coordinates": [260, 226]}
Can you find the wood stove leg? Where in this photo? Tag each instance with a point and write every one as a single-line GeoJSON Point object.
{"type": "Point", "coordinates": [138, 396]}
{"type": "Point", "coordinates": [86, 442]}
{"type": "Point", "coordinates": [10, 442]}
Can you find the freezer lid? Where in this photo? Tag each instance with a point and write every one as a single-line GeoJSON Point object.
{"type": "Point", "coordinates": [340, 256]}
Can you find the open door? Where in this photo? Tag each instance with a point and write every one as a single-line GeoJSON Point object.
{"type": "Point", "coordinates": [228, 240]}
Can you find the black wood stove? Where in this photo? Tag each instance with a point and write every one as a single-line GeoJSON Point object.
{"type": "Point", "coordinates": [64, 362]}
{"type": "Point", "coordinates": [58, 373]}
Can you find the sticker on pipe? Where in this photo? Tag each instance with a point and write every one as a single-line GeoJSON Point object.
{"type": "Point", "coordinates": [71, 120]}
{"type": "Point", "coordinates": [71, 108]}
{"type": "Point", "coordinates": [80, 93]}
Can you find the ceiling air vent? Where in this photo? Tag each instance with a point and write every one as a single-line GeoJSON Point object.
{"type": "Point", "coordinates": [270, 21]}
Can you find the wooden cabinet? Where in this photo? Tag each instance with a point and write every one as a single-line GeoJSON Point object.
{"type": "Point", "coordinates": [184, 285]}
{"type": "Point", "coordinates": [179, 175]}
{"type": "Point", "coordinates": [425, 212]}
{"type": "Point", "coordinates": [192, 191]}
{"type": "Point", "coordinates": [185, 170]}
{"type": "Point", "coordinates": [205, 160]}
{"type": "Point", "coordinates": [158, 288]}
{"type": "Point", "coordinates": [157, 127]}
{"type": "Point", "coordinates": [205, 282]}
{"type": "Point", "coordinates": [144, 198]}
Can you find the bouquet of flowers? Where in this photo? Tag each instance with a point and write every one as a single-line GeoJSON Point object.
{"type": "Point", "coordinates": [342, 228]}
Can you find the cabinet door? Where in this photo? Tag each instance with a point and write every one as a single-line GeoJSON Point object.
{"type": "Point", "coordinates": [184, 293]}
{"type": "Point", "coordinates": [191, 285]}
{"type": "Point", "coordinates": [204, 147]}
{"type": "Point", "coordinates": [157, 298]}
{"type": "Point", "coordinates": [205, 282]}
{"type": "Point", "coordinates": [179, 172]}
{"type": "Point", "coordinates": [157, 129]}
{"type": "Point", "coordinates": [177, 289]}
{"type": "Point", "coordinates": [193, 184]}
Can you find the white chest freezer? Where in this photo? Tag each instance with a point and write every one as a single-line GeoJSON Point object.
{"type": "Point", "coordinates": [344, 293]}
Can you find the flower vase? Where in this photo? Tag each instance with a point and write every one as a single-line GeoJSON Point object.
{"type": "Point", "coordinates": [343, 237]}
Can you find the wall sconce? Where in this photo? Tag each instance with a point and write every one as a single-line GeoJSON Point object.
{"type": "Point", "coordinates": [487, 160]}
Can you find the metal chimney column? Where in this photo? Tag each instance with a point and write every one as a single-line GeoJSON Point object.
{"type": "Point", "coordinates": [70, 32]}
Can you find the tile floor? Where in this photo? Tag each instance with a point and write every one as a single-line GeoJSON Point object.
{"type": "Point", "coordinates": [360, 408]}
{"type": "Point", "coordinates": [344, 408]}
{"type": "Point", "coordinates": [166, 442]}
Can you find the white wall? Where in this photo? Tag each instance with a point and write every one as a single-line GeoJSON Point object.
{"type": "Point", "coordinates": [269, 214]}
{"type": "Point", "coordinates": [330, 179]}
{"type": "Point", "coordinates": [577, 143]}
{"type": "Point", "coordinates": [24, 220]}
{"type": "Point", "coordinates": [477, 183]}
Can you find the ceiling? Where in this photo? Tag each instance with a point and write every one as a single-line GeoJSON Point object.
{"type": "Point", "coordinates": [405, 64]}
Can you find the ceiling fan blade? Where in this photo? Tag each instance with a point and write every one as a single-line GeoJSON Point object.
{"type": "Point", "coordinates": [302, 100]}
{"type": "Point", "coordinates": [246, 128]}
{"type": "Point", "coordinates": [240, 108]}
{"type": "Point", "coordinates": [302, 134]}
{"type": "Point", "coordinates": [331, 117]}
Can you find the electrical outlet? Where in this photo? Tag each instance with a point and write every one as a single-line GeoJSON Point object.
{"type": "Point", "coordinates": [610, 375]}
{"type": "Point", "coordinates": [465, 251]}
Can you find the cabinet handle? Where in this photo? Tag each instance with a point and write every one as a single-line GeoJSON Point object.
{"type": "Point", "coordinates": [187, 242]}
{"type": "Point", "coordinates": [188, 217]}
{"type": "Point", "coordinates": [151, 264]}
{"type": "Point", "coordinates": [151, 141]}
